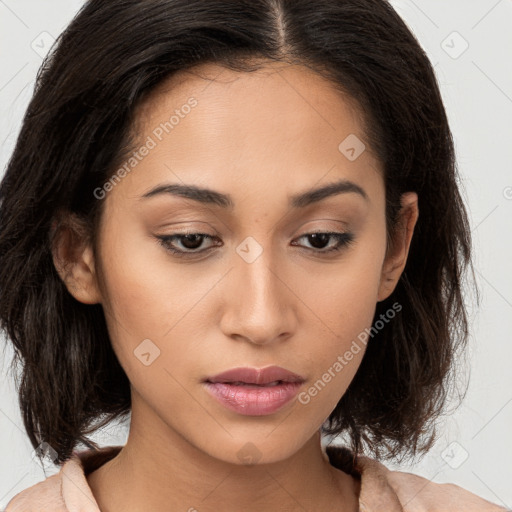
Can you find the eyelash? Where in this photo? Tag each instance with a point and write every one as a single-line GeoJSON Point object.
{"type": "Point", "coordinates": [344, 240]}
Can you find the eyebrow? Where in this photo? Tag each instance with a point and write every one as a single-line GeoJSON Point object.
{"type": "Point", "coordinates": [301, 200]}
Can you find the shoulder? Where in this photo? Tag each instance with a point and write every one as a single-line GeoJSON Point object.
{"type": "Point", "coordinates": [66, 491]}
{"type": "Point", "coordinates": [399, 491]}
{"type": "Point", "coordinates": [45, 495]}
{"type": "Point", "coordinates": [418, 494]}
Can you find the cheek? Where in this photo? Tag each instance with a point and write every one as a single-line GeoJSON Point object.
{"type": "Point", "coordinates": [343, 303]}
{"type": "Point", "coordinates": [345, 295]}
{"type": "Point", "coordinates": [152, 298]}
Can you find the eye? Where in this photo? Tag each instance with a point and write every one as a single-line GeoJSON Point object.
{"type": "Point", "coordinates": [319, 240]}
{"type": "Point", "coordinates": [191, 243]}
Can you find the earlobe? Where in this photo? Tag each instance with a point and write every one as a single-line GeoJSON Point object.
{"type": "Point", "coordinates": [396, 258]}
{"type": "Point", "coordinates": [74, 261]}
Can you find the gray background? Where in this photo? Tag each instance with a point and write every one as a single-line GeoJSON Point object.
{"type": "Point", "coordinates": [470, 44]}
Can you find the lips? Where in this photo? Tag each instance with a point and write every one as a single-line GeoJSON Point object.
{"type": "Point", "coordinates": [253, 391]}
{"type": "Point", "coordinates": [269, 376]}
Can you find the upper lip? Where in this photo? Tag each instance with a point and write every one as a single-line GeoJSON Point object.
{"type": "Point", "coordinates": [256, 375]}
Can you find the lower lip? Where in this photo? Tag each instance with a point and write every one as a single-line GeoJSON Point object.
{"type": "Point", "coordinates": [252, 400]}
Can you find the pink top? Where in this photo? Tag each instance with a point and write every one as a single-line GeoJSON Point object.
{"type": "Point", "coordinates": [382, 490]}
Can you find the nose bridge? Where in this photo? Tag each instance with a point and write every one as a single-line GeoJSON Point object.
{"type": "Point", "coordinates": [260, 302]}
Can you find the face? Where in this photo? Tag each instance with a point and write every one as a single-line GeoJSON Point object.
{"type": "Point", "coordinates": [192, 288]}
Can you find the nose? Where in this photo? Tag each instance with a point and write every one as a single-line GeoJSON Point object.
{"type": "Point", "coordinates": [260, 306]}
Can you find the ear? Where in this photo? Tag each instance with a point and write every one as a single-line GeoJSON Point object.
{"type": "Point", "coordinates": [73, 258]}
{"type": "Point", "coordinates": [396, 256]}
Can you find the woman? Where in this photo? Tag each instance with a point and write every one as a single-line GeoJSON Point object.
{"type": "Point", "coordinates": [238, 222]}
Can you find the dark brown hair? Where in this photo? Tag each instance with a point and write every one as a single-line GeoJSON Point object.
{"type": "Point", "coordinates": [111, 56]}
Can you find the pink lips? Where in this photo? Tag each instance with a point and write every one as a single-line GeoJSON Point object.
{"type": "Point", "coordinates": [253, 391]}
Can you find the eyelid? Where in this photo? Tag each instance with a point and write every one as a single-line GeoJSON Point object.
{"type": "Point", "coordinates": [343, 240]}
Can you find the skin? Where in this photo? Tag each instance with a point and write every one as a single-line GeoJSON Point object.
{"type": "Point", "coordinates": [259, 137]}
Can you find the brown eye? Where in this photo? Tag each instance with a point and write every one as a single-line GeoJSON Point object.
{"type": "Point", "coordinates": [188, 243]}
{"type": "Point", "coordinates": [319, 240]}
{"type": "Point", "coordinates": [192, 241]}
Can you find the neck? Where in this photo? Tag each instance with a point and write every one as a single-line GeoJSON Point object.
{"type": "Point", "coordinates": [161, 471]}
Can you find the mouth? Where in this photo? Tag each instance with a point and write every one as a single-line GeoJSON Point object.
{"type": "Point", "coordinates": [269, 376]}
{"type": "Point", "coordinates": [253, 391]}
{"type": "Point", "coordinates": [249, 384]}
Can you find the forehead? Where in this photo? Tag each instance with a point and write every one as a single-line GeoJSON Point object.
{"type": "Point", "coordinates": [270, 96]}
{"type": "Point", "coordinates": [283, 125]}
